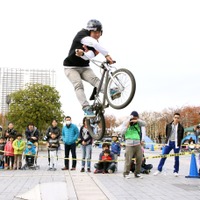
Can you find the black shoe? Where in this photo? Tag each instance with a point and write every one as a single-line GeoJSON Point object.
{"type": "Point", "coordinates": [65, 168]}
{"type": "Point", "coordinates": [82, 170]}
{"type": "Point", "coordinates": [88, 170]}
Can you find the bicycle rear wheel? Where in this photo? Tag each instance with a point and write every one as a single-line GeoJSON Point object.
{"type": "Point", "coordinates": [124, 81]}
{"type": "Point", "coordinates": [96, 126]}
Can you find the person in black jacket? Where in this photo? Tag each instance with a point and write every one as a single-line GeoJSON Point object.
{"type": "Point", "coordinates": [85, 46]}
{"type": "Point", "coordinates": [32, 134]}
{"type": "Point", "coordinates": [52, 129]}
{"type": "Point", "coordinates": [174, 135]}
{"type": "Point", "coordinates": [10, 131]}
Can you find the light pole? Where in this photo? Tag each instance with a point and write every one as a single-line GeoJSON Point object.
{"type": "Point", "coordinates": [8, 100]}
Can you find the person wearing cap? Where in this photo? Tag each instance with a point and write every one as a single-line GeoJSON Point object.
{"type": "Point", "coordinates": [84, 47]}
{"type": "Point", "coordinates": [18, 146]}
{"type": "Point", "coordinates": [134, 137]}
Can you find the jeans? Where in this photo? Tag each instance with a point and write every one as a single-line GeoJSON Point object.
{"type": "Point", "coordinates": [86, 154]}
{"type": "Point", "coordinates": [72, 148]}
{"type": "Point", "coordinates": [9, 161]}
{"type": "Point", "coordinates": [167, 150]}
{"type": "Point", "coordinates": [105, 166]}
{"type": "Point", "coordinates": [76, 75]}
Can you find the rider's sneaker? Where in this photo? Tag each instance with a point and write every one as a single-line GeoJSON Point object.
{"type": "Point", "coordinates": [88, 112]}
{"type": "Point", "coordinates": [115, 93]}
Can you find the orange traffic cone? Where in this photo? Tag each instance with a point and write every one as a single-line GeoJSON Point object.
{"type": "Point", "coordinates": [193, 168]}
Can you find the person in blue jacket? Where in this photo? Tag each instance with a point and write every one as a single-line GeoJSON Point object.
{"type": "Point", "coordinates": [70, 134]}
{"type": "Point", "coordinates": [115, 146]}
{"type": "Point", "coordinates": [30, 149]}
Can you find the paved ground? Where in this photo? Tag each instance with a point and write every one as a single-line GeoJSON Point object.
{"type": "Point", "coordinates": [43, 184]}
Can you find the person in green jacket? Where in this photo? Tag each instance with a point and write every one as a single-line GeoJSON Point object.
{"type": "Point", "coordinates": [134, 137]}
{"type": "Point", "coordinates": [18, 146]}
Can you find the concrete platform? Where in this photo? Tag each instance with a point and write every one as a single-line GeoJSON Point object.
{"type": "Point", "coordinates": [62, 185]}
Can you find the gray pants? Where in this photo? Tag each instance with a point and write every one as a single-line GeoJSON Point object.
{"type": "Point", "coordinates": [131, 151]}
{"type": "Point", "coordinates": [76, 75]}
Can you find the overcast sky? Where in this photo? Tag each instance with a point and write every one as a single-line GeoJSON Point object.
{"type": "Point", "coordinates": [159, 41]}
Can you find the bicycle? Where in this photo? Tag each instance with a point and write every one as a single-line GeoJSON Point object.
{"type": "Point", "coordinates": [112, 78]}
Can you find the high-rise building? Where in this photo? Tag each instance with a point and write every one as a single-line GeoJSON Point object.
{"type": "Point", "coordinates": [13, 79]}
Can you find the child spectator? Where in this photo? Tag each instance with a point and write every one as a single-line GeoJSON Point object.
{"type": "Point", "coordinates": [9, 153]}
{"type": "Point", "coordinates": [145, 168]}
{"type": "Point", "coordinates": [29, 154]}
{"type": "Point", "coordinates": [106, 162]}
{"type": "Point", "coordinates": [19, 146]}
{"type": "Point", "coordinates": [53, 145]}
{"type": "Point", "coordinates": [2, 145]}
{"type": "Point", "coordinates": [30, 149]}
{"type": "Point", "coordinates": [115, 146]}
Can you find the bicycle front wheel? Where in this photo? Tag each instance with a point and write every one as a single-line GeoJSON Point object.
{"type": "Point", "coordinates": [96, 126]}
{"type": "Point", "coordinates": [124, 83]}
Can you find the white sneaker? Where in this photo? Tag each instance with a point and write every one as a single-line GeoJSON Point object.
{"type": "Point", "coordinates": [127, 176]}
{"type": "Point", "coordinates": [138, 176]}
{"type": "Point", "coordinates": [110, 171]}
{"type": "Point", "coordinates": [176, 174]}
{"type": "Point", "coordinates": [156, 173]}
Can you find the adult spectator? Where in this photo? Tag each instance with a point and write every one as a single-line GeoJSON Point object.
{"type": "Point", "coordinates": [86, 146]}
{"type": "Point", "coordinates": [10, 131]}
{"type": "Point", "coordinates": [32, 134]}
{"type": "Point", "coordinates": [134, 138]}
{"type": "Point", "coordinates": [197, 133]}
{"type": "Point", "coordinates": [52, 129]}
{"type": "Point", "coordinates": [70, 134]}
{"type": "Point", "coordinates": [174, 135]}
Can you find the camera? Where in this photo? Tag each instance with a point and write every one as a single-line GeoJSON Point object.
{"type": "Point", "coordinates": [131, 123]}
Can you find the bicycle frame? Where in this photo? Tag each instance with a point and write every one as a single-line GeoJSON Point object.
{"type": "Point", "coordinates": [104, 80]}
{"type": "Point", "coordinates": [111, 78]}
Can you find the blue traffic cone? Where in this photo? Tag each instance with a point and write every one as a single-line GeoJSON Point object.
{"type": "Point", "coordinates": [193, 168]}
{"type": "Point", "coordinates": [152, 147]}
{"type": "Point", "coordinates": [163, 150]}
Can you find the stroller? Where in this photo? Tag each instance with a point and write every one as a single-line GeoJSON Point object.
{"type": "Point", "coordinates": [30, 156]}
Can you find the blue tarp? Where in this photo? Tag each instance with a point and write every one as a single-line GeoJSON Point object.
{"type": "Point", "coordinates": [187, 137]}
{"type": "Point", "coordinates": [148, 142]}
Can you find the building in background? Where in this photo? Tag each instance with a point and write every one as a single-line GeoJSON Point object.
{"type": "Point", "coordinates": [13, 79]}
